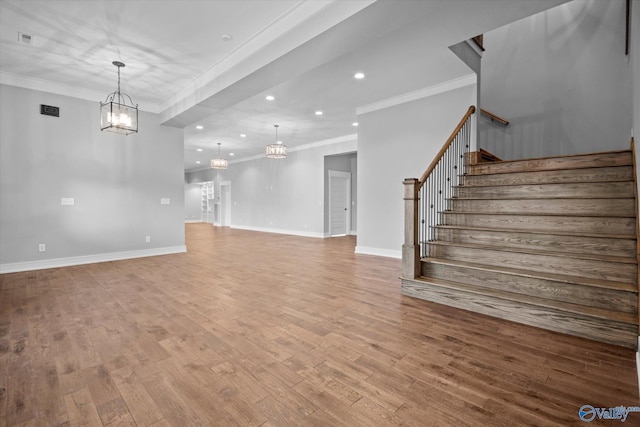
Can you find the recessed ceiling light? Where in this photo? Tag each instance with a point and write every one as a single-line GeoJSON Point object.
{"type": "Point", "coordinates": [226, 37]}
{"type": "Point", "coordinates": [269, 97]}
{"type": "Point", "coordinates": [198, 161]}
{"type": "Point", "coordinates": [358, 76]}
{"type": "Point", "coordinates": [232, 154]}
{"type": "Point", "coordinates": [242, 135]}
{"type": "Point", "coordinates": [319, 113]}
{"type": "Point", "coordinates": [199, 127]}
{"type": "Point", "coordinates": [198, 149]}
{"type": "Point", "coordinates": [354, 124]}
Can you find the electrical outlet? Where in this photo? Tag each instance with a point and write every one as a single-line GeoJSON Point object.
{"type": "Point", "coordinates": [147, 239]}
{"type": "Point", "coordinates": [42, 247]}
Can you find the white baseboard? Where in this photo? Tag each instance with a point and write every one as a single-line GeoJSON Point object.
{"type": "Point", "coordinates": [191, 221]}
{"type": "Point", "coordinates": [280, 231]}
{"type": "Point", "coordinates": [87, 259]}
{"type": "Point", "coordinates": [388, 253]}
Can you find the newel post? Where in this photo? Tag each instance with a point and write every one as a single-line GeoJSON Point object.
{"type": "Point", "coordinates": [410, 248]}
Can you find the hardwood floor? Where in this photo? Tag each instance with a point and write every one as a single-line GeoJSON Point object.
{"type": "Point", "coordinates": [258, 329]}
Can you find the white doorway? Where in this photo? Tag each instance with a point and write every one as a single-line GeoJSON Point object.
{"type": "Point", "coordinates": [339, 203]}
{"type": "Point", "coordinates": [225, 203]}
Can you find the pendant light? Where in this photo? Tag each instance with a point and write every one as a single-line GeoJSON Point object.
{"type": "Point", "coordinates": [116, 115]}
{"type": "Point", "coordinates": [219, 163]}
{"type": "Point", "coordinates": [277, 150]}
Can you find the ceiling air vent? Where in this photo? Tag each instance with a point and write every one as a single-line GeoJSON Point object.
{"type": "Point", "coordinates": [49, 110]}
{"type": "Point", "coordinates": [25, 38]}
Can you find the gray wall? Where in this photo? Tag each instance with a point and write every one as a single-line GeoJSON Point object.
{"type": "Point", "coordinates": [393, 144]}
{"type": "Point", "coordinates": [279, 195]}
{"type": "Point", "coordinates": [562, 79]}
{"type": "Point", "coordinates": [192, 202]}
{"type": "Point", "coordinates": [343, 163]}
{"type": "Point", "coordinates": [117, 182]}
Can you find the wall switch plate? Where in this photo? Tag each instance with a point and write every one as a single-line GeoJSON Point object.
{"type": "Point", "coordinates": [42, 247]}
{"type": "Point", "coordinates": [165, 201]}
{"type": "Point", "coordinates": [67, 201]}
{"type": "Point", "coordinates": [147, 239]}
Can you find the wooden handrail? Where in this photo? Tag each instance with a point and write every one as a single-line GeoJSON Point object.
{"type": "Point", "coordinates": [446, 145]}
{"type": "Point", "coordinates": [494, 117]}
{"type": "Point", "coordinates": [479, 40]}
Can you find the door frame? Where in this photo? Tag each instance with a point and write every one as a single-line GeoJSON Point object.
{"type": "Point", "coordinates": [225, 204]}
{"type": "Point", "coordinates": [347, 177]}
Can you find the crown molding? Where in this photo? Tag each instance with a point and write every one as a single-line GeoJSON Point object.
{"type": "Point", "coordinates": [303, 22]}
{"type": "Point", "coordinates": [331, 141]}
{"type": "Point", "coordinates": [63, 89]}
{"type": "Point", "coordinates": [459, 82]}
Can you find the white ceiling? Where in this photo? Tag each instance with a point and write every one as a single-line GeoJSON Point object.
{"type": "Point", "coordinates": [302, 52]}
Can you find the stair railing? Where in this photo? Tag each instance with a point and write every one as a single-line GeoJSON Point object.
{"type": "Point", "coordinates": [494, 117]}
{"type": "Point", "coordinates": [426, 198]}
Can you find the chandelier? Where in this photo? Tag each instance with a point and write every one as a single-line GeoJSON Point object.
{"type": "Point", "coordinates": [116, 115]}
{"type": "Point", "coordinates": [219, 163]}
{"type": "Point", "coordinates": [277, 150]}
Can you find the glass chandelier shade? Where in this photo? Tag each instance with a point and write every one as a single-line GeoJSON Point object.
{"type": "Point", "coordinates": [116, 114]}
{"type": "Point", "coordinates": [219, 163]}
{"type": "Point", "coordinates": [277, 150]}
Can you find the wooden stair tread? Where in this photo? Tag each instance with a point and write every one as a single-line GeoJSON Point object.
{"type": "Point", "coordinates": [517, 184]}
{"type": "Point", "coordinates": [578, 190]}
{"type": "Point", "coordinates": [598, 154]}
{"type": "Point", "coordinates": [622, 317]}
{"type": "Point", "coordinates": [516, 198]}
{"type": "Point", "coordinates": [565, 278]}
{"type": "Point", "coordinates": [542, 184]}
{"type": "Point", "coordinates": [534, 214]}
{"type": "Point", "coordinates": [524, 231]}
{"type": "Point", "coordinates": [580, 161]}
{"type": "Point", "coordinates": [623, 173]}
{"type": "Point", "coordinates": [619, 207]}
{"type": "Point", "coordinates": [593, 257]}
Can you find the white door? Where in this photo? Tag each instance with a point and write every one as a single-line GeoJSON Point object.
{"type": "Point", "coordinates": [339, 203]}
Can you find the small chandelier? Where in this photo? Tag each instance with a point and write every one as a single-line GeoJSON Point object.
{"type": "Point", "coordinates": [277, 150]}
{"type": "Point", "coordinates": [116, 115]}
{"type": "Point", "coordinates": [219, 163]}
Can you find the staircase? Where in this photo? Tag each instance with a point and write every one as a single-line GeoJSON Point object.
{"type": "Point", "coordinates": [547, 242]}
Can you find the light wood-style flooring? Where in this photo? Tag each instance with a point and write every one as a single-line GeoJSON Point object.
{"type": "Point", "coordinates": [258, 329]}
